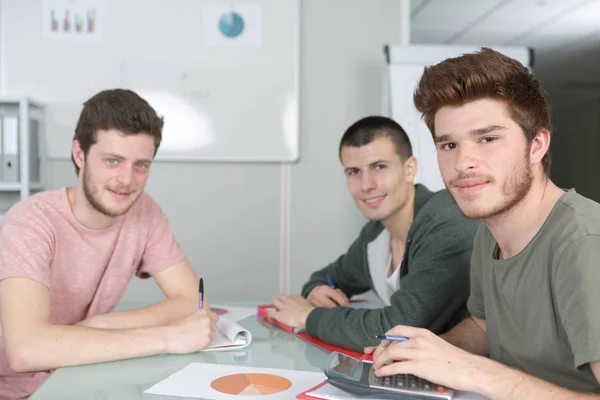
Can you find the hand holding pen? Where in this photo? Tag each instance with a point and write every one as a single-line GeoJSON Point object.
{"type": "Point", "coordinates": [327, 295]}
{"type": "Point", "coordinates": [195, 331]}
{"type": "Point", "coordinates": [422, 353]}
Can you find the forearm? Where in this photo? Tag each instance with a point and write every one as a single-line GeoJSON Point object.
{"type": "Point", "coordinates": [468, 336]}
{"type": "Point", "coordinates": [50, 346]}
{"type": "Point", "coordinates": [351, 328]}
{"type": "Point", "coordinates": [499, 382]}
{"type": "Point", "coordinates": [340, 326]}
{"type": "Point", "coordinates": [156, 314]}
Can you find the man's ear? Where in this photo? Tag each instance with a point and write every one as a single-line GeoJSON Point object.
{"type": "Point", "coordinates": [539, 146]}
{"type": "Point", "coordinates": [410, 168]}
{"type": "Point", "coordinates": [77, 153]}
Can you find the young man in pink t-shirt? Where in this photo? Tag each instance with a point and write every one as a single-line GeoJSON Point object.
{"type": "Point", "coordinates": [67, 255]}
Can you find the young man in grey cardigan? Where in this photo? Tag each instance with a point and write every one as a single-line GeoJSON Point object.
{"type": "Point", "coordinates": [414, 253]}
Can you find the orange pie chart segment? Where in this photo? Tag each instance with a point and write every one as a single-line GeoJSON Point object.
{"type": "Point", "coordinates": [267, 389]}
{"type": "Point", "coordinates": [251, 384]}
{"type": "Point", "coordinates": [250, 390]}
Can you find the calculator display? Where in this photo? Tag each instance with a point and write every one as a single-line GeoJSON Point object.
{"type": "Point", "coordinates": [348, 367]}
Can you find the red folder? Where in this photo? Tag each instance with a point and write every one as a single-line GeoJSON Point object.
{"type": "Point", "coordinates": [263, 311]}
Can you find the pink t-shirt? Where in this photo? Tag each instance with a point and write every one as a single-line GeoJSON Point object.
{"type": "Point", "coordinates": [86, 271]}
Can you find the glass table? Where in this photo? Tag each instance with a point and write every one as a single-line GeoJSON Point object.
{"type": "Point", "coordinates": [271, 347]}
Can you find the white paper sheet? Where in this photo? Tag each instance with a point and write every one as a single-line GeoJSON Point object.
{"type": "Point", "coordinates": [234, 314]}
{"type": "Point", "coordinates": [213, 381]}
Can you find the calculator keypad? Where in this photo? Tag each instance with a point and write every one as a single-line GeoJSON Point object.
{"type": "Point", "coordinates": [410, 384]}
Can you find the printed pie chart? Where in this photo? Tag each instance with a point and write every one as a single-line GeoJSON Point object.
{"type": "Point", "coordinates": [231, 24]}
{"type": "Point", "coordinates": [251, 384]}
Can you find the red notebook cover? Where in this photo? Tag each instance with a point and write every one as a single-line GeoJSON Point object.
{"type": "Point", "coordinates": [263, 311]}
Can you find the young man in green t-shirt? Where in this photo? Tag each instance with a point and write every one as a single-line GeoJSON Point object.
{"type": "Point", "coordinates": [535, 302]}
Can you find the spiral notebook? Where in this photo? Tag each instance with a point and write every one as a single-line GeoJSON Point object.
{"type": "Point", "coordinates": [230, 335]}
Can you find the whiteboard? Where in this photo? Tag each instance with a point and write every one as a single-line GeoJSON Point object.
{"type": "Point", "coordinates": [223, 98]}
{"type": "Point", "coordinates": [404, 70]}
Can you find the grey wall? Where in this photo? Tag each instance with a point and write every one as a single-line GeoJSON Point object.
{"type": "Point", "coordinates": [575, 147]}
{"type": "Point", "coordinates": [342, 65]}
{"type": "Point", "coordinates": [227, 217]}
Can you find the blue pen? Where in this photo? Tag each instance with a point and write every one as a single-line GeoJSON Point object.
{"type": "Point", "coordinates": [392, 338]}
{"type": "Point", "coordinates": [201, 291]}
{"type": "Point", "coordinates": [330, 281]}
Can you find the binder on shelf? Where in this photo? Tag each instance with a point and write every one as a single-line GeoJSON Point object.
{"type": "Point", "coordinates": [9, 171]}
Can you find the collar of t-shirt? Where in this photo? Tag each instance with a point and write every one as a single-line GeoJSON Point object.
{"type": "Point", "coordinates": [379, 254]}
{"type": "Point", "coordinates": [392, 281]}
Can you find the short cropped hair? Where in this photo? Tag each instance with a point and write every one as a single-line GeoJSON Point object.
{"type": "Point", "coordinates": [367, 129]}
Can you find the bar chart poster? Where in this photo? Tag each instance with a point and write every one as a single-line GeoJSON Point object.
{"type": "Point", "coordinates": [231, 25]}
{"type": "Point", "coordinates": [72, 20]}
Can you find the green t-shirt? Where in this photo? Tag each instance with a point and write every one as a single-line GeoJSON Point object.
{"type": "Point", "coordinates": [542, 306]}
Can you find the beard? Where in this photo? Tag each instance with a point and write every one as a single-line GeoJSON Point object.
{"type": "Point", "coordinates": [92, 196]}
{"type": "Point", "coordinates": [514, 190]}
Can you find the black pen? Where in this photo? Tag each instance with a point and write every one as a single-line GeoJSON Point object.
{"type": "Point", "coordinates": [201, 291]}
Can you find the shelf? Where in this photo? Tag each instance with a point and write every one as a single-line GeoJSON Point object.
{"type": "Point", "coordinates": [26, 122]}
{"type": "Point", "coordinates": [16, 186]}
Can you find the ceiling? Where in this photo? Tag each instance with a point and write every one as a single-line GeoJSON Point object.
{"type": "Point", "coordinates": [565, 36]}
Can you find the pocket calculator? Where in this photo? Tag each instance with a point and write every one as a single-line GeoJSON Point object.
{"type": "Point", "coordinates": [357, 377]}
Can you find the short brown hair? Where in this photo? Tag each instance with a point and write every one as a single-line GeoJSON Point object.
{"type": "Point", "coordinates": [119, 109]}
{"type": "Point", "coordinates": [485, 74]}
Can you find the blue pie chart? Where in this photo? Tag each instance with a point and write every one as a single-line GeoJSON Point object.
{"type": "Point", "coordinates": [231, 24]}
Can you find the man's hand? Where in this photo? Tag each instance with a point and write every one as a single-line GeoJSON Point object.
{"type": "Point", "coordinates": [325, 296]}
{"type": "Point", "coordinates": [192, 333]}
{"type": "Point", "coordinates": [291, 310]}
{"type": "Point", "coordinates": [426, 356]}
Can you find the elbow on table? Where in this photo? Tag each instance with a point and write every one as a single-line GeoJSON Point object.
{"type": "Point", "coordinates": [24, 357]}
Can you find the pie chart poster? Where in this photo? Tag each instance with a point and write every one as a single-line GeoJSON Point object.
{"type": "Point", "coordinates": [231, 25]}
{"type": "Point", "coordinates": [234, 382]}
